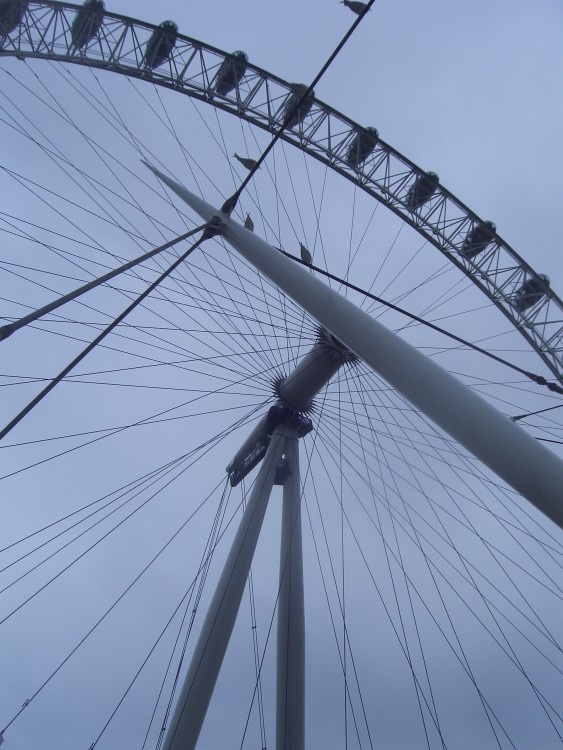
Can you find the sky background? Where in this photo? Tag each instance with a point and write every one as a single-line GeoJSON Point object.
{"type": "Point", "coordinates": [470, 90]}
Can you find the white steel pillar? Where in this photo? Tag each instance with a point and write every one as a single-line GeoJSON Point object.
{"type": "Point", "coordinates": [187, 719]}
{"type": "Point", "coordinates": [503, 446]}
{"type": "Point", "coordinates": [290, 706]}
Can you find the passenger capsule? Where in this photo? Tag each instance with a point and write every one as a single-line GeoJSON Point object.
{"type": "Point", "coordinates": [230, 73]}
{"type": "Point", "coordinates": [477, 239]}
{"type": "Point", "coordinates": [160, 45]}
{"type": "Point", "coordinates": [422, 190]}
{"type": "Point", "coordinates": [531, 292]}
{"type": "Point", "coordinates": [11, 14]}
{"type": "Point", "coordinates": [361, 147]}
{"type": "Point", "coordinates": [304, 108]}
{"type": "Point", "coordinates": [87, 22]}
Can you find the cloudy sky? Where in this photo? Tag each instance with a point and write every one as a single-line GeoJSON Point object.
{"type": "Point", "coordinates": [433, 593]}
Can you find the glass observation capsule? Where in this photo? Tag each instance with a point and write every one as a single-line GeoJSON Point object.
{"type": "Point", "coordinates": [361, 146]}
{"type": "Point", "coordinates": [160, 45]}
{"type": "Point", "coordinates": [11, 14]}
{"type": "Point", "coordinates": [531, 292]}
{"type": "Point", "coordinates": [230, 73]}
{"type": "Point", "coordinates": [477, 239]}
{"type": "Point", "coordinates": [87, 22]}
{"type": "Point", "coordinates": [304, 108]}
{"type": "Point", "coordinates": [422, 190]}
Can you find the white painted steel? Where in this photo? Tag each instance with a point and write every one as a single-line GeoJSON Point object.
{"type": "Point", "coordinates": [312, 373]}
{"type": "Point", "coordinates": [189, 713]}
{"type": "Point", "coordinates": [503, 446]}
{"type": "Point", "coordinates": [290, 675]}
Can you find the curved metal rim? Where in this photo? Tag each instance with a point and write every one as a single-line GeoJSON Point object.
{"type": "Point", "coordinates": [324, 133]}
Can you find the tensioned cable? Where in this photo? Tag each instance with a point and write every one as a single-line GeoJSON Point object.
{"type": "Point", "coordinates": [463, 661]}
{"type": "Point", "coordinates": [471, 469]}
{"type": "Point", "coordinates": [449, 491]}
{"type": "Point", "coordinates": [7, 330]}
{"type": "Point", "coordinates": [105, 118]}
{"type": "Point", "coordinates": [113, 605]}
{"type": "Point", "coordinates": [408, 521]}
{"type": "Point", "coordinates": [96, 341]}
{"type": "Point", "coordinates": [203, 570]}
{"type": "Point", "coordinates": [232, 201]}
{"type": "Point", "coordinates": [539, 379]}
{"type": "Point", "coordinates": [459, 572]}
{"type": "Point", "coordinates": [330, 450]}
{"type": "Point", "coordinates": [469, 574]}
{"type": "Point", "coordinates": [350, 374]}
{"type": "Point", "coordinates": [207, 445]}
{"type": "Point", "coordinates": [257, 682]}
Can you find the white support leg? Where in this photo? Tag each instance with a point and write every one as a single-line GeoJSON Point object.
{"type": "Point", "coordinates": [290, 708]}
{"type": "Point", "coordinates": [187, 719]}
{"type": "Point", "coordinates": [503, 446]}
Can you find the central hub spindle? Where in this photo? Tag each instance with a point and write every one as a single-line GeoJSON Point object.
{"type": "Point", "coordinates": [295, 393]}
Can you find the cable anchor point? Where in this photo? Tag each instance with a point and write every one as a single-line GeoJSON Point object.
{"type": "Point", "coordinates": [214, 227]}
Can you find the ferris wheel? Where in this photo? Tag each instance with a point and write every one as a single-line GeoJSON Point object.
{"type": "Point", "coordinates": [430, 588]}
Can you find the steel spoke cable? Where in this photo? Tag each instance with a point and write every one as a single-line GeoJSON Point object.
{"type": "Point", "coordinates": [409, 524]}
{"type": "Point", "coordinates": [310, 449]}
{"type": "Point", "coordinates": [260, 360]}
{"type": "Point", "coordinates": [403, 641]}
{"type": "Point", "coordinates": [151, 420]}
{"type": "Point", "coordinates": [146, 482]}
{"type": "Point", "coordinates": [223, 148]}
{"type": "Point", "coordinates": [462, 659]}
{"type": "Point", "coordinates": [454, 293]}
{"type": "Point", "coordinates": [9, 220]}
{"type": "Point", "coordinates": [209, 549]}
{"type": "Point", "coordinates": [219, 320]}
{"type": "Point", "coordinates": [540, 380]}
{"type": "Point", "coordinates": [205, 447]}
{"type": "Point", "coordinates": [91, 346]}
{"type": "Point", "coordinates": [263, 657]}
{"type": "Point", "coordinates": [101, 156]}
{"type": "Point", "coordinates": [452, 493]}
{"type": "Point", "coordinates": [112, 607]}
{"type": "Point", "coordinates": [340, 498]}
{"type": "Point", "coordinates": [137, 487]}
{"type": "Point", "coordinates": [175, 349]}
{"type": "Point", "coordinates": [331, 448]}
{"type": "Point", "coordinates": [255, 643]}
{"type": "Point", "coordinates": [81, 303]}
{"type": "Point", "coordinates": [472, 464]}
{"type": "Point", "coordinates": [7, 330]}
{"type": "Point", "coordinates": [327, 596]}
{"type": "Point", "coordinates": [413, 509]}
{"type": "Point", "coordinates": [82, 533]}
{"type": "Point", "coordinates": [256, 200]}
{"type": "Point", "coordinates": [203, 570]}
{"type": "Point", "coordinates": [232, 201]}
{"type": "Point", "coordinates": [90, 99]}
{"type": "Point", "coordinates": [473, 469]}
{"type": "Point", "coordinates": [124, 489]}
{"type": "Point", "coordinates": [256, 654]}
{"type": "Point", "coordinates": [466, 527]}
{"type": "Point", "coordinates": [19, 379]}
{"type": "Point", "coordinates": [127, 487]}
{"type": "Point", "coordinates": [230, 262]}
{"type": "Point", "coordinates": [56, 158]}
{"type": "Point", "coordinates": [469, 574]}
{"type": "Point", "coordinates": [350, 377]}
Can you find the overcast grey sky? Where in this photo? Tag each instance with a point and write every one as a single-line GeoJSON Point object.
{"type": "Point", "coordinates": [471, 90]}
